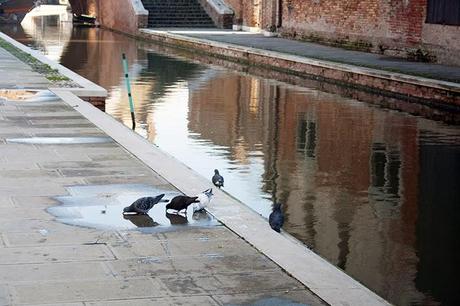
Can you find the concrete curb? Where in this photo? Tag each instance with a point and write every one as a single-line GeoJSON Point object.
{"type": "Point", "coordinates": [328, 282]}
{"type": "Point", "coordinates": [420, 87]}
{"type": "Point", "coordinates": [86, 89]}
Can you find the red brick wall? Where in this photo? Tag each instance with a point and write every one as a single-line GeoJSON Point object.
{"type": "Point", "coordinates": [390, 27]}
{"type": "Point", "coordinates": [375, 21]}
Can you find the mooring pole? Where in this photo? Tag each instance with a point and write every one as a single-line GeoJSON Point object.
{"type": "Point", "coordinates": [128, 86]}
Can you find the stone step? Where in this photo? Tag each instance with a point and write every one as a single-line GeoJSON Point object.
{"type": "Point", "coordinates": [177, 13]}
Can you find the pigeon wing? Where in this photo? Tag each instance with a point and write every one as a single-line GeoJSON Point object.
{"type": "Point", "coordinates": [143, 205]}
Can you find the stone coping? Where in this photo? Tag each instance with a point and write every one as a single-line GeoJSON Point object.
{"type": "Point", "coordinates": [321, 277]}
{"type": "Point", "coordinates": [382, 74]}
{"type": "Point", "coordinates": [138, 7]}
{"type": "Point", "coordinates": [86, 89]}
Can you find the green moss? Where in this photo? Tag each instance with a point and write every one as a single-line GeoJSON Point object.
{"type": "Point", "coordinates": [51, 74]}
{"type": "Point", "coordinates": [421, 55]}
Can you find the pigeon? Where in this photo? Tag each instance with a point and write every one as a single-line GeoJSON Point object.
{"type": "Point", "coordinates": [276, 218]}
{"type": "Point", "coordinates": [204, 199]}
{"type": "Point", "coordinates": [143, 205]}
{"type": "Point", "coordinates": [180, 203]}
{"type": "Point", "coordinates": [141, 220]}
{"type": "Point", "coordinates": [176, 219]}
{"type": "Point", "coordinates": [217, 179]}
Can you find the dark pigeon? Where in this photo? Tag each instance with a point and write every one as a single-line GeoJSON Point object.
{"type": "Point", "coordinates": [176, 219]}
{"type": "Point", "coordinates": [276, 218]}
{"type": "Point", "coordinates": [141, 220]}
{"type": "Point", "coordinates": [217, 179]}
{"type": "Point", "coordinates": [181, 202]}
{"type": "Point", "coordinates": [143, 205]}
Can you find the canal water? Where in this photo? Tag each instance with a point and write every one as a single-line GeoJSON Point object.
{"type": "Point", "coordinates": [374, 191]}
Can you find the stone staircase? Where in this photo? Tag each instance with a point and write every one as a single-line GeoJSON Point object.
{"type": "Point", "coordinates": [177, 13]}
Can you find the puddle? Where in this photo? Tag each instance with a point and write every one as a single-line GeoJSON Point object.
{"type": "Point", "coordinates": [60, 140]}
{"type": "Point", "coordinates": [101, 207]}
{"type": "Point", "coordinates": [16, 95]}
{"type": "Point", "coordinates": [272, 301]}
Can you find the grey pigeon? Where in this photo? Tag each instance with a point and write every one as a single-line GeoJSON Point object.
{"type": "Point", "coordinates": [276, 218]}
{"type": "Point", "coordinates": [143, 205]}
{"type": "Point", "coordinates": [217, 179]}
{"type": "Point", "coordinates": [181, 202]}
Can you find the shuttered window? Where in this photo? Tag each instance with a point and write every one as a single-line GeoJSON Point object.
{"type": "Point", "coordinates": [443, 12]}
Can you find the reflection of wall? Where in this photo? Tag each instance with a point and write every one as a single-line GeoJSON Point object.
{"type": "Point", "coordinates": [438, 224]}
{"type": "Point", "coordinates": [87, 54]}
{"type": "Point", "coordinates": [344, 171]}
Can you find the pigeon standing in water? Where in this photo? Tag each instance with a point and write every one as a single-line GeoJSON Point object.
{"type": "Point", "coordinates": [204, 199]}
{"type": "Point", "coordinates": [180, 203]}
{"type": "Point", "coordinates": [217, 179]}
{"type": "Point", "coordinates": [276, 218]}
{"type": "Point", "coordinates": [143, 205]}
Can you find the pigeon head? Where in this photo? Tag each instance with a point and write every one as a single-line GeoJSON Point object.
{"type": "Point", "coordinates": [216, 171]}
{"type": "Point", "coordinates": [158, 198]}
{"type": "Point", "coordinates": [208, 192]}
{"type": "Point", "coordinates": [277, 206]}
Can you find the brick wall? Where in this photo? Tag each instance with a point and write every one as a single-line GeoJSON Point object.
{"type": "Point", "coordinates": [390, 27]}
{"type": "Point", "coordinates": [380, 23]}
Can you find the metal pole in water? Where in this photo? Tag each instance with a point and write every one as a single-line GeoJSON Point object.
{"type": "Point", "coordinates": [128, 86]}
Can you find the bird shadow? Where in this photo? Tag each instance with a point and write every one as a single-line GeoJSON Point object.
{"type": "Point", "coordinates": [141, 220]}
{"type": "Point", "coordinates": [176, 218]}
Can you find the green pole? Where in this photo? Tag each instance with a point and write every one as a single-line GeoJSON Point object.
{"type": "Point", "coordinates": [128, 86]}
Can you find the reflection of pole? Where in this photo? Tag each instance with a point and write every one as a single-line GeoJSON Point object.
{"type": "Point", "coordinates": [128, 86]}
{"type": "Point", "coordinates": [275, 144]}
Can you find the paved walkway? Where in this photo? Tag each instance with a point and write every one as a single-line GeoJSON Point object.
{"type": "Point", "coordinates": [317, 51]}
{"type": "Point", "coordinates": [44, 261]}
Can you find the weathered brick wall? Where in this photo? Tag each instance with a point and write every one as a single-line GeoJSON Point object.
{"type": "Point", "coordinates": [390, 27]}
{"type": "Point", "coordinates": [390, 22]}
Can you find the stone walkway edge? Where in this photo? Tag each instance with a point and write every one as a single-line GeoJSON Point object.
{"type": "Point", "coordinates": [324, 279]}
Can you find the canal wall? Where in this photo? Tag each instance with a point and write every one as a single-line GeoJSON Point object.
{"type": "Point", "coordinates": [430, 92]}
{"type": "Point", "coordinates": [125, 16]}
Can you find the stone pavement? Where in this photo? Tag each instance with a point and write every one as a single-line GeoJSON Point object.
{"type": "Point", "coordinates": [322, 52]}
{"type": "Point", "coordinates": [43, 261]}
{"type": "Point", "coordinates": [16, 74]}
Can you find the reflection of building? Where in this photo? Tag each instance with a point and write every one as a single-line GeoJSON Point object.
{"type": "Point", "coordinates": [347, 173]}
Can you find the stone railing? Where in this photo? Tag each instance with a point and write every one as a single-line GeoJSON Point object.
{"type": "Point", "coordinates": [219, 11]}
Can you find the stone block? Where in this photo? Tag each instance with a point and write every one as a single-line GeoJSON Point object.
{"type": "Point", "coordinates": [33, 273]}
{"type": "Point", "coordinates": [74, 291]}
{"type": "Point", "coordinates": [25, 255]}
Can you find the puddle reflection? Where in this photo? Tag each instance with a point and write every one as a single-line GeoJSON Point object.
{"type": "Point", "coordinates": [101, 207]}
{"type": "Point", "coordinates": [17, 95]}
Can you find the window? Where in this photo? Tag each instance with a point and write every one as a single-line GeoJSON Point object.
{"type": "Point", "coordinates": [443, 12]}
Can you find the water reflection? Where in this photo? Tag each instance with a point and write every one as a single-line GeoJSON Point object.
{"type": "Point", "coordinates": [374, 191]}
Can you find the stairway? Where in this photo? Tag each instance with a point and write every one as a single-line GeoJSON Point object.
{"type": "Point", "coordinates": [177, 13]}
